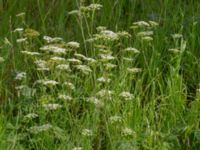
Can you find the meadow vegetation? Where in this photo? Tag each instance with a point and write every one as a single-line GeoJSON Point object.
{"type": "Point", "coordinates": [99, 75]}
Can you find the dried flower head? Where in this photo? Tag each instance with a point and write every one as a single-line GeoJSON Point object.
{"type": "Point", "coordinates": [31, 33]}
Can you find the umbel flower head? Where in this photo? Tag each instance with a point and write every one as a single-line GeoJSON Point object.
{"type": "Point", "coordinates": [127, 132]}
{"type": "Point", "coordinates": [39, 129]}
{"type": "Point", "coordinates": [87, 132]}
{"type": "Point", "coordinates": [52, 106]}
{"type": "Point", "coordinates": [126, 95]}
{"type": "Point", "coordinates": [20, 76]}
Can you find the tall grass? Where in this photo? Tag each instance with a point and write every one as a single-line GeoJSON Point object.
{"type": "Point", "coordinates": [119, 75]}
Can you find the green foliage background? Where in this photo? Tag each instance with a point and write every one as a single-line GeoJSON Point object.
{"type": "Point", "coordinates": [160, 85]}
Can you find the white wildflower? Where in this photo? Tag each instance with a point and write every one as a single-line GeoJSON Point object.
{"type": "Point", "coordinates": [126, 95]}
{"type": "Point", "coordinates": [147, 38]}
{"type": "Point", "coordinates": [73, 44]}
{"type": "Point", "coordinates": [145, 33]}
{"type": "Point", "coordinates": [106, 57]}
{"type": "Point", "coordinates": [128, 59]}
{"type": "Point", "coordinates": [132, 49]}
{"type": "Point", "coordinates": [41, 63]}
{"type": "Point", "coordinates": [101, 28]}
{"type": "Point", "coordinates": [84, 68]}
{"type": "Point", "coordinates": [51, 106]}
{"type": "Point", "coordinates": [53, 49]}
{"type": "Point", "coordinates": [65, 97]}
{"type": "Point", "coordinates": [30, 53]}
{"type": "Point", "coordinates": [87, 132]}
{"type": "Point", "coordinates": [69, 85]}
{"type": "Point", "coordinates": [74, 61]}
{"type": "Point", "coordinates": [174, 50]}
{"type": "Point", "coordinates": [31, 116]}
{"type": "Point", "coordinates": [153, 23]}
{"type": "Point", "coordinates": [109, 66]}
{"type": "Point", "coordinates": [50, 82]}
{"type": "Point", "coordinates": [123, 34]}
{"type": "Point", "coordinates": [49, 39]}
{"type": "Point", "coordinates": [91, 61]}
{"type": "Point", "coordinates": [105, 93]}
{"type": "Point", "coordinates": [20, 76]}
{"type": "Point", "coordinates": [21, 40]}
{"type": "Point", "coordinates": [22, 14]}
{"type": "Point", "coordinates": [177, 36]}
{"type": "Point", "coordinates": [115, 119]}
{"type": "Point", "coordinates": [127, 132]}
{"type": "Point", "coordinates": [65, 67]}
{"type": "Point", "coordinates": [80, 56]}
{"type": "Point", "coordinates": [47, 82]}
{"type": "Point", "coordinates": [91, 40]}
{"type": "Point", "coordinates": [77, 148]}
{"type": "Point", "coordinates": [141, 24]}
{"type": "Point", "coordinates": [21, 87]}
{"type": "Point", "coordinates": [57, 59]}
{"type": "Point", "coordinates": [108, 35]}
{"type": "Point", "coordinates": [104, 80]}
{"type": "Point", "coordinates": [19, 30]}
{"type": "Point", "coordinates": [73, 12]}
{"type": "Point", "coordinates": [95, 6]}
{"type": "Point", "coordinates": [39, 129]}
{"type": "Point", "coordinates": [43, 69]}
{"type": "Point", "coordinates": [134, 70]}
{"type": "Point", "coordinates": [95, 101]}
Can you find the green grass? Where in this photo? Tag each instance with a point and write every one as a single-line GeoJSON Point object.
{"type": "Point", "coordinates": [147, 99]}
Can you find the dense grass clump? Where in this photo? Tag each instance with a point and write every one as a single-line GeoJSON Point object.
{"type": "Point", "coordinates": [99, 75]}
